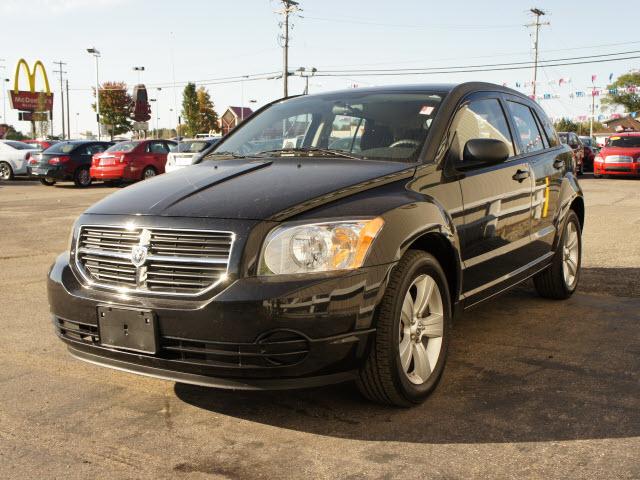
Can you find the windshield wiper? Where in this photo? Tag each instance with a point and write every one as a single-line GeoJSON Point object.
{"type": "Point", "coordinates": [223, 154]}
{"type": "Point", "coordinates": [311, 152]}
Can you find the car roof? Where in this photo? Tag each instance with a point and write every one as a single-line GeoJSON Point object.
{"type": "Point", "coordinates": [625, 134]}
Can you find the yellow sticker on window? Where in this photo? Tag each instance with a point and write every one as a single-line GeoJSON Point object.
{"type": "Point", "coordinates": [614, 138]}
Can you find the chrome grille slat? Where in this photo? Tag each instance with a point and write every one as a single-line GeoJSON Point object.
{"type": "Point", "coordinates": [180, 262]}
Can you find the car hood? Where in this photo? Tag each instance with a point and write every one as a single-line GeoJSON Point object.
{"type": "Point", "coordinates": [263, 189]}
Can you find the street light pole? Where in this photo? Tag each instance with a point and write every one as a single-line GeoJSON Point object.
{"type": "Point", "coordinates": [538, 13]}
{"type": "Point", "coordinates": [96, 53]}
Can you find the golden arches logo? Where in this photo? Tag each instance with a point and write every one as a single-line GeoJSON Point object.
{"type": "Point", "coordinates": [31, 75]}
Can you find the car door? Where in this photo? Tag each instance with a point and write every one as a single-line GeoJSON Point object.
{"type": "Point", "coordinates": [495, 231]}
{"type": "Point", "coordinates": [87, 152]}
{"type": "Point", "coordinates": [155, 152]}
{"type": "Point", "coordinates": [549, 163]}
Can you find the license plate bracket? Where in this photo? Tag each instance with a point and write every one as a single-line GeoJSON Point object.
{"type": "Point", "coordinates": [128, 329]}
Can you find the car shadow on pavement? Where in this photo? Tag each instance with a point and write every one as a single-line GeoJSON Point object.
{"type": "Point", "coordinates": [520, 369]}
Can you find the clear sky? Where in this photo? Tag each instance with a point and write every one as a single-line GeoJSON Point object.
{"type": "Point", "coordinates": [209, 39]}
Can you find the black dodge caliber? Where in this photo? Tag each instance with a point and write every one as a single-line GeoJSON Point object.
{"type": "Point", "coordinates": [330, 237]}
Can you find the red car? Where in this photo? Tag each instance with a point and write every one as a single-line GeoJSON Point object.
{"type": "Point", "coordinates": [133, 160]}
{"type": "Point", "coordinates": [619, 156]}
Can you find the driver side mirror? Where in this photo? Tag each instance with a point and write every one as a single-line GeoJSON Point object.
{"type": "Point", "coordinates": [483, 152]}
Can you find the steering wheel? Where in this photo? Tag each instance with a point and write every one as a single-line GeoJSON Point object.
{"type": "Point", "coordinates": [405, 141]}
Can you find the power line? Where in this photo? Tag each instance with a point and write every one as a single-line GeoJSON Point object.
{"type": "Point", "coordinates": [398, 25]}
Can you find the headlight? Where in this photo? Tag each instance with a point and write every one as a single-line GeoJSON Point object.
{"type": "Point", "coordinates": [318, 247]}
{"type": "Point", "coordinates": [598, 159]}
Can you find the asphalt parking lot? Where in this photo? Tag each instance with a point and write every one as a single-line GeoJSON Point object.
{"type": "Point", "coordinates": [533, 388]}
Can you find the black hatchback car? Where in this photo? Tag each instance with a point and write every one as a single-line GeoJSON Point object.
{"type": "Point", "coordinates": [70, 160]}
{"type": "Point", "coordinates": [279, 262]}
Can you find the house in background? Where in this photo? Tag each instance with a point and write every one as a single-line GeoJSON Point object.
{"type": "Point", "coordinates": [233, 117]}
{"type": "Point", "coordinates": [617, 124]}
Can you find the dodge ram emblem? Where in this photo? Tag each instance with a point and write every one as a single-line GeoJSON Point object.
{"type": "Point", "coordinates": [138, 255]}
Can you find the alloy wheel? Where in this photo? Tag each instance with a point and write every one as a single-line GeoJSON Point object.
{"type": "Point", "coordinates": [421, 329]}
{"type": "Point", "coordinates": [5, 171]}
{"type": "Point", "coordinates": [84, 178]}
{"type": "Point", "coordinates": [148, 173]}
{"type": "Point", "coordinates": [570, 255]}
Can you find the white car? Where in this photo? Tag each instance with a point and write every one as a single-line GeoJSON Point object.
{"type": "Point", "coordinates": [187, 151]}
{"type": "Point", "coordinates": [14, 157]}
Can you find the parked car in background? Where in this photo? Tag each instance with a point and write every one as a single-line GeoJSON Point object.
{"type": "Point", "coordinates": [131, 160]}
{"type": "Point", "coordinates": [619, 157]}
{"type": "Point", "coordinates": [590, 151]}
{"type": "Point", "coordinates": [68, 160]}
{"type": "Point", "coordinates": [186, 153]}
{"type": "Point", "coordinates": [571, 139]}
{"type": "Point", "coordinates": [14, 158]}
{"type": "Point", "coordinates": [41, 144]}
{"type": "Point", "coordinates": [306, 265]}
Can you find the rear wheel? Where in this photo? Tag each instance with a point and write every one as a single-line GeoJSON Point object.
{"type": "Point", "coordinates": [47, 181]}
{"type": "Point", "coordinates": [6, 172]}
{"type": "Point", "coordinates": [560, 280]}
{"type": "Point", "coordinates": [82, 178]}
{"type": "Point", "coordinates": [407, 356]}
{"type": "Point", "coordinates": [148, 173]}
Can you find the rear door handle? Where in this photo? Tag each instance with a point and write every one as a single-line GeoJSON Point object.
{"type": "Point", "coordinates": [521, 175]}
{"type": "Point", "coordinates": [558, 163]}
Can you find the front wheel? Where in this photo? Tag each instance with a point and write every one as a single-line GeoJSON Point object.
{"type": "Point", "coordinates": [407, 356]}
{"type": "Point", "coordinates": [148, 173]}
{"type": "Point", "coordinates": [6, 172]}
{"type": "Point", "coordinates": [560, 280]}
{"type": "Point", "coordinates": [82, 178]}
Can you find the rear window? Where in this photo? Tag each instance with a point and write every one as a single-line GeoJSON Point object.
{"type": "Point", "coordinates": [123, 147]}
{"type": "Point", "coordinates": [62, 147]}
{"type": "Point", "coordinates": [20, 145]}
{"type": "Point", "coordinates": [625, 142]}
{"type": "Point", "coordinates": [193, 147]}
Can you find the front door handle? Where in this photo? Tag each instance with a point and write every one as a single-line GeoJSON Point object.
{"type": "Point", "coordinates": [558, 163]}
{"type": "Point", "coordinates": [521, 175]}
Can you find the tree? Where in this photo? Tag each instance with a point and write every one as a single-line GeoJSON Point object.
{"type": "Point", "coordinates": [564, 125]}
{"type": "Point", "coordinates": [116, 107]}
{"type": "Point", "coordinates": [208, 116]}
{"type": "Point", "coordinates": [13, 134]}
{"type": "Point", "coordinates": [629, 100]}
{"type": "Point", "coordinates": [190, 111]}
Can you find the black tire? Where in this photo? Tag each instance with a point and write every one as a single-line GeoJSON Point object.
{"type": "Point", "coordinates": [82, 177]}
{"type": "Point", "coordinates": [47, 182]}
{"type": "Point", "coordinates": [6, 172]}
{"type": "Point", "coordinates": [148, 172]}
{"type": "Point", "coordinates": [551, 282]}
{"type": "Point", "coordinates": [382, 378]}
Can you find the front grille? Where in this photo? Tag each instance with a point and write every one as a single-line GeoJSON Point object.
{"type": "Point", "coordinates": [155, 260]}
{"type": "Point", "coordinates": [77, 331]}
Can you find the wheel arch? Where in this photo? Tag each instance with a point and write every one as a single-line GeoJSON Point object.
{"type": "Point", "coordinates": [440, 246]}
{"type": "Point", "coordinates": [577, 205]}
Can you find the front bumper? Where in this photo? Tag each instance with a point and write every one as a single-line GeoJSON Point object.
{"type": "Point", "coordinates": [256, 333]}
{"type": "Point", "coordinates": [622, 169]}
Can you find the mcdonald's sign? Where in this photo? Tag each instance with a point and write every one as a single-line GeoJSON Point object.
{"type": "Point", "coordinates": [28, 100]}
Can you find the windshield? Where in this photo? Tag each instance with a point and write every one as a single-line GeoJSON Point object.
{"type": "Point", "coordinates": [390, 126]}
{"type": "Point", "coordinates": [190, 146]}
{"type": "Point", "coordinates": [62, 147]}
{"type": "Point", "coordinates": [20, 145]}
{"type": "Point", "coordinates": [586, 141]}
{"type": "Point", "coordinates": [625, 142]}
{"type": "Point", "coordinates": [122, 147]}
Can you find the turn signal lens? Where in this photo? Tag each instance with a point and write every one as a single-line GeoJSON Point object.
{"type": "Point", "coordinates": [318, 247]}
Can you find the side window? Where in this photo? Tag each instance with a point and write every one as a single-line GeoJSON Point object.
{"type": "Point", "coordinates": [547, 126]}
{"type": "Point", "coordinates": [346, 133]}
{"type": "Point", "coordinates": [93, 149]}
{"type": "Point", "coordinates": [526, 127]}
{"type": "Point", "coordinates": [157, 147]}
{"type": "Point", "coordinates": [480, 119]}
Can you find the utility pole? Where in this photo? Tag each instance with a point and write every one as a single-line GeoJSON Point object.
{"type": "Point", "coordinates": [68, 117]}
{"type": "Point", "coordinates": [61, 72]}
{"type": "Point", "coordinates": [538, 13]}
{"type": "Point", "coordinates": [289, 7]}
